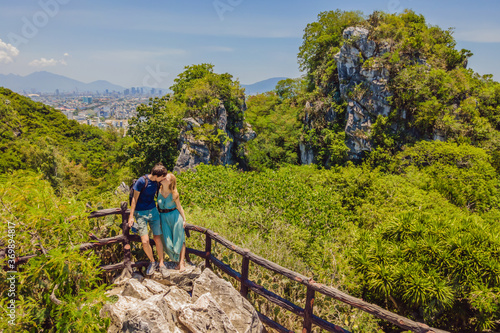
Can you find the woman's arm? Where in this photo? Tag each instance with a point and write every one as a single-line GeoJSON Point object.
{"type": "Point", "coordinates": [179, 208]}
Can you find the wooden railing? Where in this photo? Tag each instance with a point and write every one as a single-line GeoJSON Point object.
{"type": "Point", "coordinates": [247, 285]}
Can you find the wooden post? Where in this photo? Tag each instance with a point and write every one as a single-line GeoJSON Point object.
{"type": "Point", "coordinates": [127, 254]}
{"type": "Point", "coordinates": [208, 250]}
{"type": "Point", "coordinates": [308, 311]}
{"type": "Point", "coordinates": [244, 275]}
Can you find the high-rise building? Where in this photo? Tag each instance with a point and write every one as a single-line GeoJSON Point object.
{"type": "Point", "coordinates": [87, 99]}
{"type": "Point", "coordinates": [133, 90]}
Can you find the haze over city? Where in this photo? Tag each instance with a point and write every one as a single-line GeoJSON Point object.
{"type": "Point", "coordinates": [148, 43]}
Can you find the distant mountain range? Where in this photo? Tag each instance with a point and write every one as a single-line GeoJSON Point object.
{"type": "Point", "coordinates": [262, 86]}
{"type": "Point", "coordinates": [46, 82]}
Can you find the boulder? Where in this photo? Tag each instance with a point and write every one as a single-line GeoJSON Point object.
{"type": "Point", "coordinates": [239, 310]}
{"type": "Point", "coordinates": [205, 316]}
{"type": "Point", "coordinates": [154, 287]}
{"type": "Point", "coordinates": [134, 288]}
{"type": "Point", "coordinates": [117, 312]}
{"type": "Point", "coordinates": [183, 280]}
{"type": "Point", "coordinates": [176, 298]}
{"type": "Point", "coordinates": [150, 315]}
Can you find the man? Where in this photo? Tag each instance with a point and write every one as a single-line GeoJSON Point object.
{"type": "Point", "coordinates": [143, 208]}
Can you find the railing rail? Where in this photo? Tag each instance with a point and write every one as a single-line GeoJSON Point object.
{"type": "Point", "coordinates": [247, 285]}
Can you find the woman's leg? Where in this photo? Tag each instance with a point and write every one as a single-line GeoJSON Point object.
{"type": "Point", "coordinates": [181, 260]}
{"type": "Point", "coordinates": [179, 239]}
{"type": "Point", "coordinates": [168, 237]}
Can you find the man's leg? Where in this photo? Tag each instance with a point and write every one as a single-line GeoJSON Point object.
{"type": "Point", "coordinates": [155, 224]}
{"type": "Point", "coordinates": [159, 248]}
{"type": "Point", "coordinates": [147, 247]}
{"type": "Point", "coordinates": [142, 228]}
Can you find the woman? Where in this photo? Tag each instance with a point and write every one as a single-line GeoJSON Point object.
{"type": "Point", "coordinates": [172, 220]}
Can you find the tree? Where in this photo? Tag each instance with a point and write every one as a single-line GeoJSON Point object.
{"type": "Point", "coordinates": [155, 131]}
{"type": "Point", "coordinates": [321, 41]}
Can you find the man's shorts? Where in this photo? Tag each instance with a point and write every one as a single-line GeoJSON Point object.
{"type": "Point", "coordinates": [151, 216]}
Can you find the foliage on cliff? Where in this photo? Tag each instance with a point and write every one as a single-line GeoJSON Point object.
{"type": "Point", "coordinates": [434, 95]}
{"type": "Point", "coordinates": [197, 92]}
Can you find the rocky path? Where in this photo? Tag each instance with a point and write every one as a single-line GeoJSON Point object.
{"type": "Point", "coordinates": [195, 300]}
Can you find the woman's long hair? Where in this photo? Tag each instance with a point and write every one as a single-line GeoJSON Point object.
{"type": "Point", "coordinates": [173, 186]}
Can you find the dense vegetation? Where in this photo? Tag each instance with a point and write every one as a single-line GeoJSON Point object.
{"type": "Point", "coordinates": [422, 240]}
{"type": "Point", "coordinates": [71, 156]}
{"type": "Point", "coordinates": [413, 227]}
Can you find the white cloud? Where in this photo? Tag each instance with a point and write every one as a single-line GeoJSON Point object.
{"type": "Point", "coordinates": [43, 62]}
{"type": "Point", "coordinates": [7, 52]}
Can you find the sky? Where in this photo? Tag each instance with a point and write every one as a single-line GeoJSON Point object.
{"type": "Point", "coordinates": [149, 42]}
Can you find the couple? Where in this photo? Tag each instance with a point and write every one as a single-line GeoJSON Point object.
{"type": "Point", "coordinates": [167, 220]}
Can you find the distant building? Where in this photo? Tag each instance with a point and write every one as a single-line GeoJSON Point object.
{"type": "Point", "coordinates": [87, 99]}
{"type": "Point", "coordinates": [126, 92]}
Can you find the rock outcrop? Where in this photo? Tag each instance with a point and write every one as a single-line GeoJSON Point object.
{"type": "Point", "coordinates": [164, 304]}
{"type": "Point", "coordinates": [363, 87]}
{"type": "Point", "coordinates": [229, 149]}
{"type": "Point", "coordinates": [239, 310]}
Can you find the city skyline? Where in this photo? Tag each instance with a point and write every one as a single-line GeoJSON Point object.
{"type": "Point", "coordinates": [149, 43]}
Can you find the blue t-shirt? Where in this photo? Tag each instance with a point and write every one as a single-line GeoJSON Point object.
{"type": "Point", "coordinates": [146, 200]}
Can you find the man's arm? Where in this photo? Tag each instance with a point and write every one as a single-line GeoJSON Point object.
{"type": "Point", "coordinates": [132, 208]}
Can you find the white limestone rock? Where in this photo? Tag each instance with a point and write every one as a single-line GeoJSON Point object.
{"type": "Point", "coordinates": [239, 310]}
{"type": "Point", "coordinates": [150, 315]}
{"type": "Point", "coordinates": [134, 288]}
{"type": "Point", "coordinates": [206, 316]}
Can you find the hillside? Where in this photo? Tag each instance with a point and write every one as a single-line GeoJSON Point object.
{"type": "Point", "coordinates": [72, 156]}
{"type": "Point", "coordinates": [262, 86]}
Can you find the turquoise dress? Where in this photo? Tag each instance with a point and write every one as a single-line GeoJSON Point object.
{"type": "Point", "coordinates": [172, 225]}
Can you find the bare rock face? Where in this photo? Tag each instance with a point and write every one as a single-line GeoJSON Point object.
{"type": "Point", "coordinates": [194, 152]}
{"type": "Point", "coordinates": [364, 87]}
{"type": "Point", "coordinates": [205, 315]}
{"type": "Point", "coordinates": [239, 310]}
